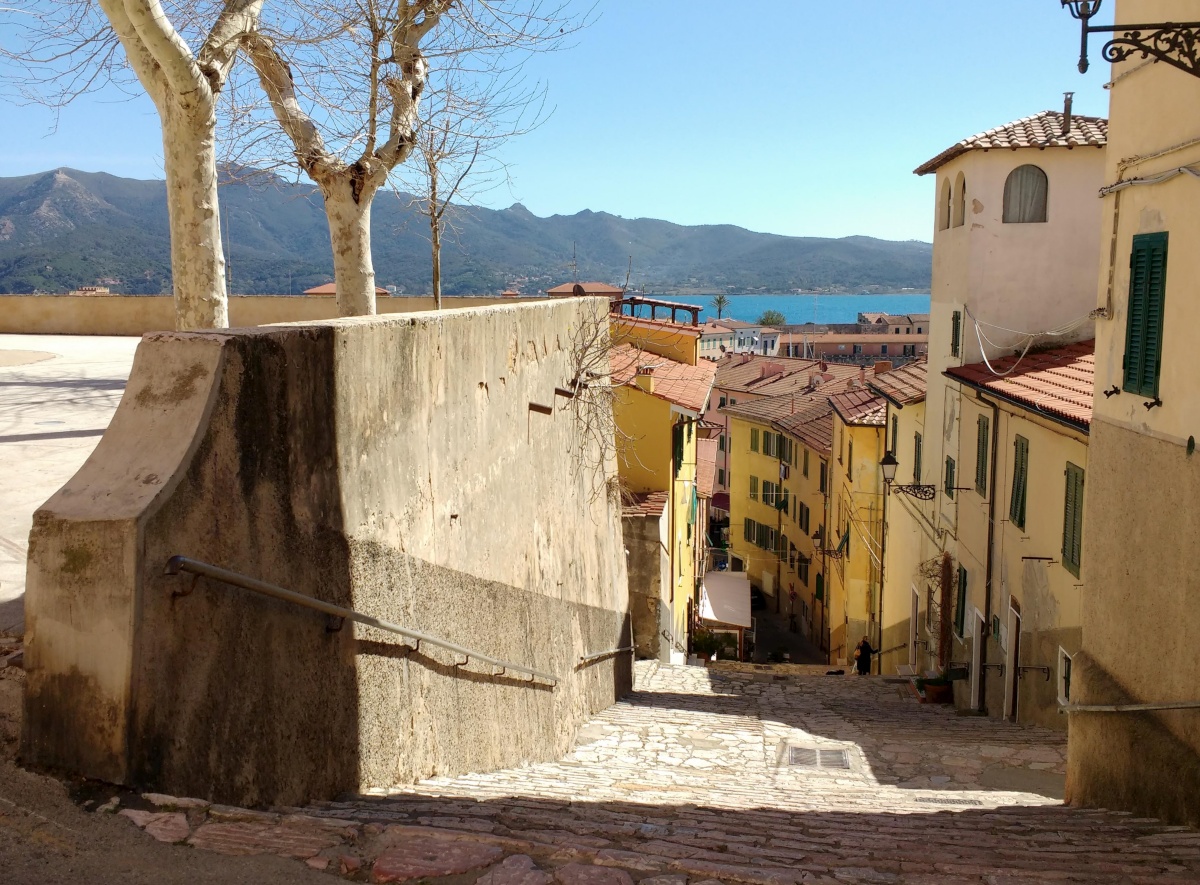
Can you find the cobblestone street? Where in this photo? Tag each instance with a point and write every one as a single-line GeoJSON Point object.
{"type": "Point", "coordinates": [737, 776]}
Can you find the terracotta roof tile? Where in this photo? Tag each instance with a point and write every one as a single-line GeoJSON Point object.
{"type": "Point", "coordinates": [808, 417]}
{"type": "Point", "coordinates": [1039, 131]}
{"type": "Point", "coordinates": [645, 504]}
{"type": "Point", "coordinates": [775, 375]}
{"type": "Point", "coordinates": [685, 386]}
{"type": "Point", "coordinates": [1055, 382]}
{"type": "Point", "coordinates": [861, 408]}
{"type": "Point", "coordinates": [706, 467]}
{"type": "Point", "coordinates": [904, 385]}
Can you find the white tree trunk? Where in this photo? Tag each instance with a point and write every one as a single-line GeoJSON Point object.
{"type": "Point", "coordinates": [350, 234]}
{"type": "Point", "coordinates": [197, 262]}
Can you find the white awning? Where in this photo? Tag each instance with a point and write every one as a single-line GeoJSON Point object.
{"type": "Point", "coordinates": [725, 598]}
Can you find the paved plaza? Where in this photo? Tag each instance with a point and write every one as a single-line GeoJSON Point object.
{"type": "Point", "coordinates": [57, 395]}
{"type": "Point", "coordinates": [703, 776]}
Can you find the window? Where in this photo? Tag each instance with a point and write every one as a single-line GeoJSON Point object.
{"type": "Point", "coordinates": [1144, 316]}
{"type": "Point", "coordinates": [896, 331]}
{"type": "Point", "coordinates": [858, 348]}
{"type": "Point", "coordinates": [754, 488]}
{"type": "Point", "coordinates": [895, 433]}
{"type": "Point", "coordinates": [920, 331]}
{"type": "Point", "coordinates": [732, 401]}
{"type": "Point", "coordinates": [850, 460]}
{"type": "Point", "coordinates": [721, 476]}
{"type": "Point", "coordinates": [955, 332]}
{"type": "Point", "coordinates": [749, 530]}
{"type": "Point", "coordinates": [771, 445]}
{"type": "Point", "coordinates": [677, 446]}
{"type": "Point", "coordinates": [944, 206]}
{"type": "Point", "coordinates": [1025, 195]}
{"type": "Point", "coordinates": [1016, 505]}
{"type": "Point", "coordinates": [883, 347]}
{"type": "Point", "coordinates": [982, 438]}
{"type": "Point", "coordinates": [805, 514]}
{"type": "Point", "coordinates": [770, 492]}
{"type": "Point", "coordinates": [960, 204]}
{"type": "Point", "coordinates": [950, 478]}
{"type": "Point", "coordinates": [721, 443]}
{"type": "Point", "coordinates": [805, 471]}
{"type": "Point", "coordinates": [910, 350]}
{"type": "Point", "coordinates": [722, 403]}
{"type": "Point", "coordinates": [1072, 545]}
{"type": "Point", "coordinates": [754, 439]}
{"type": "Point", "coordinates": [917, 446]}
{"type": "Point", "coordinates": [960, 604]}
{"type": "Point", "coordinates": [824, 481]}
{"type": "Point", "coordinates": [802, 571]}
{"type": "Point", "coordinates": [820, 594]}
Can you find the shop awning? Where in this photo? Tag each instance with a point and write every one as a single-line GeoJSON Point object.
{"type": "Point", "coordinates": [725, 598]}
{"type": "Point", "coordinates": [720, 500]}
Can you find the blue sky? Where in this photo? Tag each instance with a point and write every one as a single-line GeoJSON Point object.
{"type": "Point", "coordinates": [789, 116]}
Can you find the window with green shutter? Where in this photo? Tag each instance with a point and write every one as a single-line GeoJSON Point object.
{"type": "Point", "coordinates": [850, 460]}
{"type": "Point", "coordinates": [677, 446]}
{"type": "Point", "coordinates": [895, 433]}
{"type": "Point", "coordinates": [955, 333]}
{"type": "Point", "coordinates": [950, 478]}
{"type": "Point", "coordinates": [960, 607]}
{"type": "Point", "coordinates": [820, 594]}
{"type": "Point", "coordinates": [1072, 545]}
{"type": "Point", "coordinates": [805, 471]}
{"type": "Point", "coordinates": [754, 488]}
{"type": "Point", "coordinates": [917, 458]}
{"type": "Point", "coordinates": [1020, 483]}
{"type": "Point", "coordinates": [1144, 317]}
{"type": "Point", "coordinates": [754, 439]}
{"type": "Point", "coordinates": [749, 530]}
{"type": "Point", "coordinates": [982, 441]}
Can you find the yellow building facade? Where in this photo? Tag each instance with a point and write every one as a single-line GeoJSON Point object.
{"type": "Point", "coordinates": [1142, 509]}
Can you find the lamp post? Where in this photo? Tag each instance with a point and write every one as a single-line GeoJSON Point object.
{"type": "Point", "coordinates": [888, 465]}
{"type": "Point", "coordinates": [1176, 43]}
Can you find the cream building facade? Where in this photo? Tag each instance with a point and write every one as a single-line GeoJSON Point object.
{"type": "Point", "coordinates": [1142, 512]}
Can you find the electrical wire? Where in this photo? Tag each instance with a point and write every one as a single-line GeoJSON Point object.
{"type": "Point", "coordinates": [1028, 339]}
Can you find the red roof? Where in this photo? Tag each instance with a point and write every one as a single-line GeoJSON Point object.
{"type": "Point", "coordinates": [902, 386]}
{"type": "Point", "coordinates": [685, 386]}
{"type": "Point", "coordinates": [1039, 131]}
{"type": "Point", "coordinates": [806, 416]}
{"type": "Point", "coordinates": [645, 504]}
{"type": "Point", "coordinates": [331, 289]}
{"type": "Point", "coordinates": [861, 408]}
{"type": "Point", "coordinates": [1058, 383]}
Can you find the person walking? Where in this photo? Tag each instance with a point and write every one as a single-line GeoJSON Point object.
{"type": "Point", "coordinates": [862, 657]}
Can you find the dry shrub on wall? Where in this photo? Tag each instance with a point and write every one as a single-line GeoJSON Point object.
{"type": "Point", "coordinates": [939, 572]}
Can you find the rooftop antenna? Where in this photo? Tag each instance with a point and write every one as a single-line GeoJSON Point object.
{"type": "Point", "coordinates": [574, 262]}
{"type": "Point", "coordinates": [1067, 99]}
{"type": "Point", "coordinates": [628, 271]}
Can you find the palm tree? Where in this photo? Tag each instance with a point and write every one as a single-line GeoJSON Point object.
{"type": "Point", "coordinates": [720, 304]}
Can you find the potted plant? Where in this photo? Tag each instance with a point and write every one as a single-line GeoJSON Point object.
{"type": "Point", "coordinates": [935, 689]}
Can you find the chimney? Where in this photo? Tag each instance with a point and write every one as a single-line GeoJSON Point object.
{"type": "Point", "coordinates": [883, 366]}
{"type": "Point", "coordinates": [862, 376]}
{"type": "Point", "coordinates": [1066, 126]}
{"type": "Point", "coordinates": [645, 378]}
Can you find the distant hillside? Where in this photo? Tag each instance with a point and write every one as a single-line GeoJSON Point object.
{"type": "Point", "coordinates": [63, 229]}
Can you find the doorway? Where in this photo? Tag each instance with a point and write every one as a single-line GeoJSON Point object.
{"type": "Point", "coordinates": [1012, 662]}
{"type": "Point", "coordinates": [978, 638]}
{"type": "Point", "coordinates": [912, 627]}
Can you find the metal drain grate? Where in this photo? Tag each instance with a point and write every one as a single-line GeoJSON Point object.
{"type": "Point", "coordinates": [938, 800]}
{"type": "Point", "coordinates": [811, 757]}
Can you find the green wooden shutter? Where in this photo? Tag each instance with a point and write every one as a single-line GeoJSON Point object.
{"type": "Point", "coordinates": [895, 433]}
{"type": "Point", "coordinates": [1016, 506]}
{"type": "Point", "coordinates": [754, 439]}
{"type": "Point", "coordinates": [955, 332]}
{"type": "Point", "coordinates": [1072, 546]}
{"type": "Point", "coordinates": [917, 458]}
{"type": "Point", "coordinates": [806, 462]}
{"type": "Point", "coordinates": [950, 478]}
{"type": "Point", "coordinates": [820, 594]}
{"type": "Point", "coordinates": [981, 455]}
{"type": "Point", "coordinates": [960, 607]}
{"type": "Point", "coordinates": [754, 488]}
{"type": "Point", "coordinates": [677, 446]}
{"type": "Point", "coordinates": [1144, 317]}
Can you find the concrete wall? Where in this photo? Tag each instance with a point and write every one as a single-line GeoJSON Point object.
{"type": "Point", "coordinates": [390, 464]}
{"type": "Point", "coordinates": [649, 567]}
{"type": "Point", "coordinates": [139, 314]}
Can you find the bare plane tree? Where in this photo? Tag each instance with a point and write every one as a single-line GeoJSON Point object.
{"type": "Point", "coordinates": [347, 95]}
{"type": "Point", "coordinates": [68, 48]}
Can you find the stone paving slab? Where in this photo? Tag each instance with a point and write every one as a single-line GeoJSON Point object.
{"type": "Point", "coordinates": [686, 783]}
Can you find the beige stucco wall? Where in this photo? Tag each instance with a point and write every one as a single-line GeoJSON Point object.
{"type": "Point", "coordinates": [139, 314]}
{"type": "Point", "coordinates": [1140, 620]}
{"type": "Point", "coordinates": [649, 566]}
{"type": "Point", "coordinates": [389, 464]}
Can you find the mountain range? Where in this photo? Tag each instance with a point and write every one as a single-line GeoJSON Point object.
{"type": "Point", "coordinates": [63, 229]}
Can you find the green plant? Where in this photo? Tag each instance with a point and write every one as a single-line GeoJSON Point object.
{"type": "Point", "coordinates": [772, 318]}
{"type": "Point", "coordinates": [706, 643]}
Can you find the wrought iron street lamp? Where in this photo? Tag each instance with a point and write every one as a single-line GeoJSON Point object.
{"type": "Point", "coordinates": [888, 465]}
{"type": "Point", "coordinates": [1176, 43]}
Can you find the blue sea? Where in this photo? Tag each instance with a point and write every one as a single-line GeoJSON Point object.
{"type": "Point", "coordinates": [804, 308]}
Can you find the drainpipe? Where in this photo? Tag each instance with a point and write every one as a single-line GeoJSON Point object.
{"type": "Point", "coordinates": [990, 558]}
{"type": "Point", "coordinates": [882, 561]}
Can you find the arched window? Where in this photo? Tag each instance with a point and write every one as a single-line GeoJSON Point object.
{"type": "Point", "coordinates": [944, 206]}
{"type": "Point", "coordinates": [960, 204]}
{"type": "Point", "coordinates": [1025, 195]}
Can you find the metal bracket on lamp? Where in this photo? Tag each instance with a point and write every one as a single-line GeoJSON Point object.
{"type": "Point", "coordinates": [921, 492]}
{"type": "Point", "coordinates": [1176, 43]}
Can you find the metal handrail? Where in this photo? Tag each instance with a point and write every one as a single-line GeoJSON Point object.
{"type": "Point", "coordinates": [177, 564]}
{"type": "Point", "coordinates": [1128, 708]}
{"type": "Point", "coordinates": [589, 659]}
